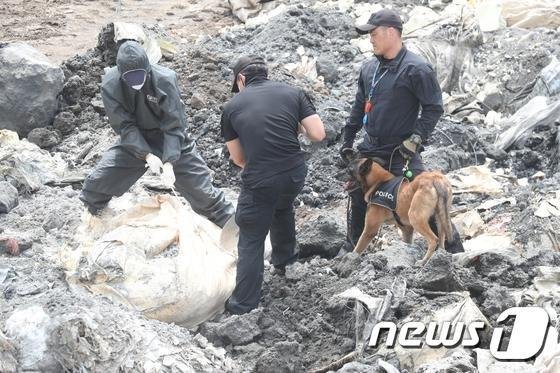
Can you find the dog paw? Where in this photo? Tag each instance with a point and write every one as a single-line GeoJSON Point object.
{"type": "Point", "coordinates": [419, 263]}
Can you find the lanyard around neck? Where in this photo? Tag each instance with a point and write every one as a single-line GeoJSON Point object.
{"type": "Point", "coordinates": [375, 82]}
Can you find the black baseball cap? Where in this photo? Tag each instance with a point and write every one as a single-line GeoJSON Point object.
{"type": "Point", "coordinates": [385, 17]}
{"type": "Point", "coordinates": [241, 64]}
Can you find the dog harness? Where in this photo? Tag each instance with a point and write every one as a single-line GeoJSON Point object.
{"type": "Point", "coordinates": [386, 195]}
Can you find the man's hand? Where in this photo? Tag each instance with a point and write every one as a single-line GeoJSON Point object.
{"type": "Point", "coordinates": [410, 146]}
{"type": "Point", "coordinates": [346, 153]}
{"type": "Point", "coordinates": [154, 163]}
{"type": "Point", "coordinates": [168, 176]}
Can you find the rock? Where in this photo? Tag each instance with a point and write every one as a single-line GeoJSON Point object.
{"type": "Point", "coordinates": [240, 329]}
{"type": "Point", "coordinates": [324, 237]}
{"type": "Point", "coordinates": [459, 361]}
{"type": "Point", "coordinates": [347, 264]}
{"type": "Point", "coordinates": [14, 246]}
{"type": "Point", "coordinates": [43, 137]}
{"type": "Point", "coordinates": [65, 122]}
{"type": "Point", "coordinates": [400, 254]}
{"type": "Point", "coordinates": [328, 69]}
{"type": "Point", "coordinates": [72, 90]}
{"type": "Point", "coordinates": [8, 197]}
{"type": "Point", "coordinates": [439, 274]}
{"type": "Point", "coordinates": [30, 85]}
{"type": "Point", "coordinates": [355, 367]}
{"type": "Point", "coordinates": [496, 300]}
{"type": "Point", "coordinates": [491, 97]}
{"type": "Point", "coordinates": [98, 106]}
{"type": "Point", "coordinates": [197, 102]}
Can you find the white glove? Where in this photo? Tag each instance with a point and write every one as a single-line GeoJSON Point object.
{"type": "Point", "coordinates": [167, 176]}
{"type": "Point", "coordinates": [154, 163]}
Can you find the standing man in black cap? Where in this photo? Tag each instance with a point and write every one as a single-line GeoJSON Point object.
{"type": "Point", "coordinates": [260, 126]}
{"type": "Point", "coordinates": [392, 88]}
{"type": "Point", "coordinates": [144, 107]}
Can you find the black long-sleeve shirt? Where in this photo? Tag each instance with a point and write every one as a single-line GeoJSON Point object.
{"type": "Point", "coordinates": [406, 83]}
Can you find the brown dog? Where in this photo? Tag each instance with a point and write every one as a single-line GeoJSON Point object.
{"type": "Point", "coordinates": [428, 194]}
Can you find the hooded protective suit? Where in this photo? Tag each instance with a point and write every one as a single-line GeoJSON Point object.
{"type": "Point", "coordinates": [150, 120]}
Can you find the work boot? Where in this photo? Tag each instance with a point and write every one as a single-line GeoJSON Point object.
{"type": "Point", "coordinates": [346, 248]}
{"type": "Point", "coordinates": [279, 270]}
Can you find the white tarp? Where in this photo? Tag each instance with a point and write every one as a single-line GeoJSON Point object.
{"type": "Point", "coordinates": [27, 164]}
{"type": "Point", "coordinates": [157, 257]}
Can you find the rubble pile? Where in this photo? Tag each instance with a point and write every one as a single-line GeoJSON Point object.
{"type": "Point", "coordinates": [498, 142]}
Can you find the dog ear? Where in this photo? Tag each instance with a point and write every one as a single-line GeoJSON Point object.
{"type": "Point", "coordinates": [365, 167]}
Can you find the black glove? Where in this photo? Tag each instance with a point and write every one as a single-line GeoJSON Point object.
{"type": "Point", "coordinates": [410, 146]}
{"type": "Point", "coordinates": [347, 153]}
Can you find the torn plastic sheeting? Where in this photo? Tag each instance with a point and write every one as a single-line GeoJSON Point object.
{"type": "Point", "coordinates": [386, 366]}
{"type": "Point", "coordinates": [537, 112]}
{"type": "Point", "coordinates": [465, 311]}
{"type": "Point", "coordinates": [546, 283]}
{"type": "Point", "coordinates": [454, 64]}
{"type": "Point", "coordinates": [134, 31]}
{"type": "Point", "coordinates": [469, 224]}
{"type": "Point", "coordinates": [488, 205]}
{"type": "Point", "coordinates": [306, 67]}
{"type": "Point", "coordinates": [372, 303]}
{"type": "Point", "coordinates": [474, 179]}
{"type": "Point", "coordinates": [486, 243]}
{"type": "Point", "coordinates": [548, 208]}
{"type": "Point", "coordinates": [422, 21]}
{"type": "Point", "coordinates": [531, 14]}
{"type": "Point", "coordinates": [30, 166]}
{"type": "Point", "coordinates": [548, 81]}
{"type": "Point", "coordinates": [187, 286]}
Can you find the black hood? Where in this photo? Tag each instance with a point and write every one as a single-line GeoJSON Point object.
{"type": "Point", "coordinates": [132, 56]}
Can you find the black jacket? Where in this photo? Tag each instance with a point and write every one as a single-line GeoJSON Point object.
{"type": "Point", "coordinates": [408, 84]}
{"type": "Point", "coordinates": [151, 117]}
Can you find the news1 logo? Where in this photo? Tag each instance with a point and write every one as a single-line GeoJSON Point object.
{"type": "Point", "coordinates": [527, 338]}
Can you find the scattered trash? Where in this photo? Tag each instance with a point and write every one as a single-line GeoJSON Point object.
{"type": "Point", "coordinates": [490, 204]}
{"type": "Point", "coordinates": [475, 179]}
{"type": "Point", "coordinates": [469, 224]}
{"type": "Point", "coordinates": [537, 112]}
{"type": "Point", "coordinates": [26, 165]}
{"type": "Point", "coordinates": [549, 207]}
{"type": "Point", "coordinates": [462, 311]}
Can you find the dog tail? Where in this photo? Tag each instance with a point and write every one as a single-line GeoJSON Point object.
{"type": "Point", "coordinates": [443, 221]}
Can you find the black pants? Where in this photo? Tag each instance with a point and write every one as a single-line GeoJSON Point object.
{"type": "Point", "coordinates": [118, 170]}
{"type": "Point", "coordinates": [266, 207]}
{"type": "Point", "coordinates": [357, 210]}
